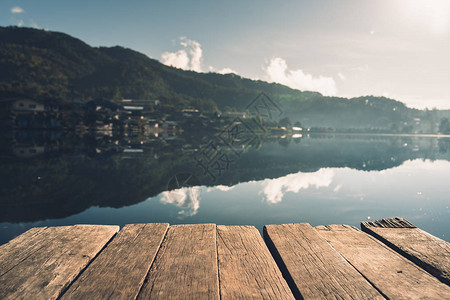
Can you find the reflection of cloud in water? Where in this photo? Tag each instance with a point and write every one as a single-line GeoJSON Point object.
{"type": "Point", "coordinates": [187, 197]}
{"type": "Point", "coordinates": [274, 189]}
{"type": "Point", "coordinates": [337, 188]}
{"type": "Point", "coordinates": [222, 188]}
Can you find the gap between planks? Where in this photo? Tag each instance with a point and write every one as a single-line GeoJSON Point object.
{"type": "Point", "coordinates": [392, 274]}
{"type": "Point", "coordinates": [427, 251]}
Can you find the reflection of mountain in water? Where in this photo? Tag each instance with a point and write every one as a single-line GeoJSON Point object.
{"type": "Point", "coordinates": [49, 175]}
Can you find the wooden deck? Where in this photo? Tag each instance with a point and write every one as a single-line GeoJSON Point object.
{"type": "Point", "coordinates": [394, 260]}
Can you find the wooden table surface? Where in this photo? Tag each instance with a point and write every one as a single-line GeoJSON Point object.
{"type": "Point", "coordinates": [393, 260]}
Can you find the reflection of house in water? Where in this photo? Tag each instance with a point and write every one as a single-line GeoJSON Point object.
{"type": "Point", "coordinates": [130, 153]}
{"type": "Point", "coordinates": [104, 129]}
{"type": "Point", "coordinates": [297, 133]}
{"type": "Point", "coordinates": [167, 136]}
{"type": "Point", "coordinates": [28, 152]}
{"type": "Point", "coordinates": [31, 143]}
{"type": "Point", "coordinates": [153, 123]}
{"type": "Point", "coordinates": [169, 125]}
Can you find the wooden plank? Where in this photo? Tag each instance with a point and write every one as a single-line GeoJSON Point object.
{"type": "Point", "coordinates": [50, 260]}
{"type": "Point", "coordinates": [313, 269]}
{"type": "Point", "coordinates": [392, 274]}
{"type": "Point", "coordinates": [246, 267]}
{"type": "Point", "coordinates": [424, 249]}
{"type": "Point", "coordinates": [18, 249]}
{"type": "Point", "coordinates": [120, 269]}
{"type": "Point", "coordinates": [185, 266]}
{"type": "Point", "coordinates": [389, 223]}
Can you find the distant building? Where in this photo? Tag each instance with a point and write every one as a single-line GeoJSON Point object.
{"type": "Point", "coordinates": [190, 112]}
{"type": "Point", "coordinates": [103, 106]}
{"type": "Point", "coordinates": [139, 105]}
{"type": "Point", "coordinates": [27, 105]}
{"type": "Point", "coordinates": [235, 114]}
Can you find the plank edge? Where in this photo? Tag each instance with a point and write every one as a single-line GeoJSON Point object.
{"type": "Point", "coordinates": [66, 288]}
{"type": "Point", "coordinates": [420, 263]}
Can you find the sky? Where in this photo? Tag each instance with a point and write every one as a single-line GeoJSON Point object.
{"type": "Point", "coordinates": [348, 48]}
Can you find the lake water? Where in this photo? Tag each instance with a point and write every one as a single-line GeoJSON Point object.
{"type": "Point", "coordinates": [320, 180]}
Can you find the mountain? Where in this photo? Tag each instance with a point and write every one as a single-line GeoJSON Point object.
{"type": "Point", "coordinates": [45, 64]}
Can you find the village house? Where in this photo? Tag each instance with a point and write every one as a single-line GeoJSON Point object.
{"type": "Point", "coordinates": [26, 105]}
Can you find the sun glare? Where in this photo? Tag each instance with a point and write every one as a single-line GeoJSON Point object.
{"type": "Point", "coordinates": [435, 14]}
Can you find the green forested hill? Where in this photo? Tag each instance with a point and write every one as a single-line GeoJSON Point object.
{"type": "Point", "coordinates": [39, 64]}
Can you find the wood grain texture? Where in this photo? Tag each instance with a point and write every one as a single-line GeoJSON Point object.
{"type": "Point", "coordinates": [422, 248]}
{"type": "Point", "coordinates": [389, 223]}
{"type": "Point", "coordinates": [120, 269]}
{"type": "Point", "coordinates": [185, 266]}
{"type": "Point", "coordinates": [313, 269]}
{"type": "Point", "coordinates": [49, 259]}
{"type": "Point", "coordinates": [246, 267]}
{"type": "Point", "coordinates": [392, 274]}
{"type": "Point", "coordinates": [18, 249]}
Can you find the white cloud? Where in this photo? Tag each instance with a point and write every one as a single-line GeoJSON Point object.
{"type": "Point", "coordinates": [342, 76]}
{"type": "Point", "coordinates": [187, 197]}
{"type": "Point", "coordinates": [179, 59]}
{"type": "Point", "coordinates": [222, 71]}
{"type": "Point", "coordinates": [277, 71]}
{"type": "Point", "coordinates": [189, 58]}
{"type": "Point", "coordinates": [226, 71]}
{"type": "Point", "coordinates": [275, 189]}
{"type": "Point", "coordinates": [17, 10]}
{"type": "Point", "coordinates": [372, 32]}
{"type": "Point", "coordinates": [29, 23]}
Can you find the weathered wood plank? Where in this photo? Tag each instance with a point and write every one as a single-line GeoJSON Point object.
{"type": "Point", "coordinates": [120, 269]}
{"type": "Point", "coordinates": [313, 269]}
{"type": "Point", "coordinates": [392, 274]}
{"type": "Point", "coordinates": [185, 266]}
{"type": "Point", "coordinates": [18, 249]}
{"type": "Point", "coordinates": [424, 249]}
{"type": "Point", "coordinates": [246, 267]}
{"type": "Point", "coordinates": [50, 260]}
{"type": "Point", "coordinates": [389, 223]}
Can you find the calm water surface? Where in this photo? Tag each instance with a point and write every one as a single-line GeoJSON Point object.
{"type": "Point", "coordinates": [323, 180]}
